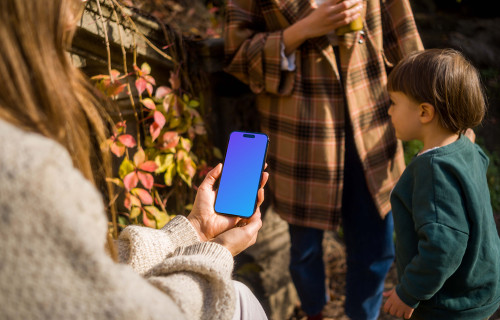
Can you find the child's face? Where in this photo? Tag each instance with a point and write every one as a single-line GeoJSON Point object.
{"type": "Point", "coordinates": [404, 113]}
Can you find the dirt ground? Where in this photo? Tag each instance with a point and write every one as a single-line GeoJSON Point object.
{"type": "Point", "coordinates": [335, 263]}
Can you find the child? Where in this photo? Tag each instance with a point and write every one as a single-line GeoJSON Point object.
{"type": "Point", "coordinates": [447, 246]}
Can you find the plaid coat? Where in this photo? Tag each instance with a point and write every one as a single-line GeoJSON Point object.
{"type": "Point", "coordinates": [303, 111]}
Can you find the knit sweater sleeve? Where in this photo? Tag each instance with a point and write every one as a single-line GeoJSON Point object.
{"type": "Point", "coordinates": [52, 239]}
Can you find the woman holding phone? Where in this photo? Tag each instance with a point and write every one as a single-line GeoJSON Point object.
{"type": "Point", "coordinates": [53, 262]}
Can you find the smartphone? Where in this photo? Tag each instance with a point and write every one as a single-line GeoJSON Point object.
{"type": "Point", "coordinates": [241, 174]}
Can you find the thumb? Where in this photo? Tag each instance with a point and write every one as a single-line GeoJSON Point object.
{"type": "Point", "coordinates": [212, 177]}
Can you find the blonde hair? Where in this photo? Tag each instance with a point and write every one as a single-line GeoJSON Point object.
{"type": "Point", "coordinates": [41, 90]}
{"type": "Point", "coordinates": [445, 79]}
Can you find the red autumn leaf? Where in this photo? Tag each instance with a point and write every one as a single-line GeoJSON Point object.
{"type": "Point", "coordinates": [188, 165]}
{"type": "Point", "coordinates": [149, 88]}
{"type": "Point", "coordinates": [130, 180]}
{"type": "Point", "coordinates": [155, 130]}
{"type": "Point", "coordinates": [150, 79]}
{"type": "Point", "coordinates": [170, 139]}
{"type": "Point", "coordinates": [148, 103]}
{"type": "Point", "coordinates": [117, 149]}
{"type": "Point", "coordinates": [162, 91]}
{"type": "Point", "coordinates": [143, 195]}
{"type": "Point", "coordinates": [139, 157]}
{"type": "Point", "coordinates": [159, 118]}
{"type": "Point", "coordinates": [127, 140]}
{"type": "Point", "coordinates": [146, 179]}
{"type": "Point", "coordinates": [140, 85]}
{"type": "Point", "coordinates": [147, 221]}
{"type": "Point", "coordinates": [115, 88]}
{"type": "Point", "coordinates": [149, 166]}
{"type": "Point", "coordinates": [131, 201]}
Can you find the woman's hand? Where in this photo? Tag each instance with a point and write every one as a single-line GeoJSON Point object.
{"type": "Point", "coordinates": [207, 223]}
{"type": "Point", "coordinates": [330, 15]}
{"type": "Point", "coordinates": [394, 306]}
{"type": "Point", "coordinates": [242, 236]}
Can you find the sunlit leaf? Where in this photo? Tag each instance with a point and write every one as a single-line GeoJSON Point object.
{"type": "Point", "coordinates": [159, 118]}
{"type": "Point", "coordinates": [161, 217]}
{"type": "Point", "coordinates": [170, 140]}
{"type": "Point", "coordinates": [139, 157]}
{"type": "Point", "coordinates": [130, 180]}
{"type": "Point", "coordinates": [131, 201]}
{"type": "Point", "coordinates": [149, 103]}
{"type": "Point", "coordinates": [185, 97]}
{"type": "Point", "coordinates": [145, 68]}
{"type": "Point", "coordinates": [162, 91]}
{"type": "Point", "coordinates": [125, 168]}
{"type": "Point", "coordinates": [143, 195]}
{"type": "Point", "coordinates": [163, 161]}
{"type": "Point", "coordinates": [115, 181]}
{"type": "Point", "coordinates": [154, 130]}
{"type": "Point", "coordinates": [149, 166]}
{"type": "Point", "coordinates": [148, 222]}
{"type": "Point", "coordinates": [135, 212]}
{"type": "Point", "coordinates": [186, 144]}
{"type": "Point", "coordinates": [146, 179]}
{"type": "Point", "coordinates": [170, 174]}
{"type": "Point", "coordinates": [149, 88]}
{"type": "Point", "coordinates": [150, 79]}
{"type": "Point", "coordinates": [127, 140]}
{"type": "Point", "coordinates": [117, 149]}
{"type": "Point", "coordinates": [140, 85]}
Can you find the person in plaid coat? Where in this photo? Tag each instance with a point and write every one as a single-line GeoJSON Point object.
{"type": "Point", "coordinates": [333, 155]}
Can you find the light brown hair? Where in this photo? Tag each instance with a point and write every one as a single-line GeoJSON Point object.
{"type": "Point", "coordinates": [41, 90]}
{"type": "Point", "coordinates": [446, 80]}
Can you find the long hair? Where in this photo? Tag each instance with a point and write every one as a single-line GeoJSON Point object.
{"type": "Point", "coordinates": [41, 90]}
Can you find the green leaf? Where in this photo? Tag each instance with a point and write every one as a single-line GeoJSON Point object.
{"type": "Point", "coordinates": [125, 168]}
{"type": "Point", "coordinates": [161, 217]}
{"type": "Point", "coordinates": [135, 212]}
{"type": "Point", "coordinates": [123, 220]}
{"type": "Point", "coordinates": [170, 174]}
{"type": "Point", "coordinates": [163, 161]}
{"type": "Point", "coordinates": [185, 97]}
{"type": "Point", "coordinates": [194, 104]}
{"type": "Point", "coordinates": [186, 144]}
{"type": "Point", "coordinates": [217, 153]}
{"type": "Point", "coordinates": [145, 68]}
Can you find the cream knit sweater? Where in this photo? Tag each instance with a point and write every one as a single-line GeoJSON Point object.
{"type": "Point", "coordinates": [52, 259]}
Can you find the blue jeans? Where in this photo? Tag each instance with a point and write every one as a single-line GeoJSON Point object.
{"type": "Point", "coordinates": [369, 248]}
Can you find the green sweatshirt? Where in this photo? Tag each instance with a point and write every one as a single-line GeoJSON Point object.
{"type": "Point", "coordinates": [447, 245]}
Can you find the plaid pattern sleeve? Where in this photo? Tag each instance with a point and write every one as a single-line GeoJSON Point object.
{"type": "Point", "coordinates": [255, 56]}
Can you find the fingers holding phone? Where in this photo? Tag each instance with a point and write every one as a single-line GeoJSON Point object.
{"type": "Point", "coordinates": [239, 238]}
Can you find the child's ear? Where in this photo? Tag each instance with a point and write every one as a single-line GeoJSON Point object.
{"type": "Point", "coordinates": [427, 112]}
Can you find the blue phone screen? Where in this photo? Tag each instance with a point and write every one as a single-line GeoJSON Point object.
{"type": "Point", "coordinates": [241, 173]}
